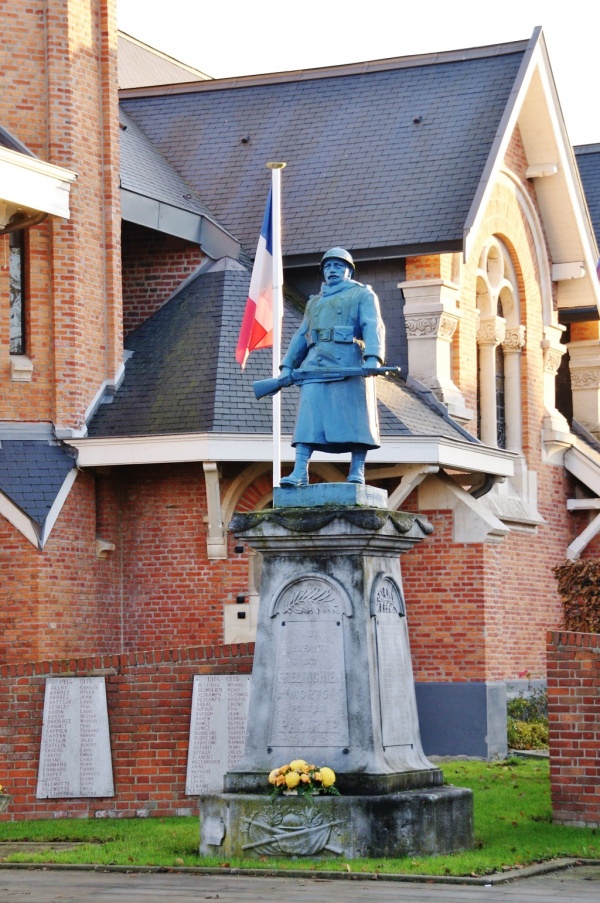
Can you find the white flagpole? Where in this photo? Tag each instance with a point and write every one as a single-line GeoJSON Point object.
{"type": "Point", "coordinates": [277, 312]}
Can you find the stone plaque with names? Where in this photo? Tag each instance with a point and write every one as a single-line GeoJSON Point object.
{"type": "Point", "coordinates": [217, 730]}
{"type": "Point", "coordinates": [310, 706]}
{"type": "Point", "coordinates": [393, 665]}
{"type": "Point", "coordinates": [75, 753]}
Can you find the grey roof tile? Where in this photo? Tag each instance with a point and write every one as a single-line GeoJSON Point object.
{"type": "Point", "coordinates": [32, 472]}
{"type": "Point", "coordinates": [145, 171]}
{"type": "Point", "coordinates": [588, 161]}
{"type": "Point", "coordinates": [360, 172]}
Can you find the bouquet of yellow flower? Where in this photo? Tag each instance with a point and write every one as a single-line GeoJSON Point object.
{"type": "Point", "coordinates": [303, 778]}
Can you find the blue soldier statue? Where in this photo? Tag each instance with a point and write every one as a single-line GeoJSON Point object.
{"type": "Point", "coordinates": [342, 329]}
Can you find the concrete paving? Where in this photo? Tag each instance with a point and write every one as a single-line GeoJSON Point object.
{"type": "Point", "coordinates": [574, 885]}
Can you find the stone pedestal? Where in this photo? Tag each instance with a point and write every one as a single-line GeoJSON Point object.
{"type": "Point", "coordinates": [414, 823]}
{"type": "Point", "coordinates": [332, 683]}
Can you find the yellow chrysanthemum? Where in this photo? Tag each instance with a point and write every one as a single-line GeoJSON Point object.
{"type": "Point", "coordinates": [273, 776]}
{"type": "Point", "coordinates": [327, 777]}
{"type": "Point", "coordinates": [299, 765]}
{"type": "Point", "coordinates": [292, 779]}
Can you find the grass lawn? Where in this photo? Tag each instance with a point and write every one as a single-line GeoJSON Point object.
{"type": "Point", "coordinates": [513, 828]}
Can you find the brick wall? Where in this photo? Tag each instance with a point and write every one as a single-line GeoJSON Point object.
{"type": "Point", "coordinates": [172, 593]}
{"type": "Point", "coordinates": [61, 600]}
{"type": "Point", "coordinates": [157, 588]}
{"type": "Point", "coordinates": [59, 96]}
{"type": "Point", "coordinates": [149, 697]}
{"type": "Point", "coordinates": [154, 266]}
{"type": "Point", "coordinates": [574, 716]}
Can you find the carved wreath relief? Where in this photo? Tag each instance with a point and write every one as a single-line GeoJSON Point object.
{"type": "Point", "coordinates": [287, 830]}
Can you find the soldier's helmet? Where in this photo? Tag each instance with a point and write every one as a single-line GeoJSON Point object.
{"type": "Point", "coordinates": [338, 254]}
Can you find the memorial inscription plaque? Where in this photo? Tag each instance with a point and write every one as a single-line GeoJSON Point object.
{"type": "Point", "coordinates": [394, 668]}
{"type": "Point", "coordinates": [217, 730]}
{"type": "Point", "coordinates": [310, 705]}
{"type": "Point", "coordinates": [75, 753]}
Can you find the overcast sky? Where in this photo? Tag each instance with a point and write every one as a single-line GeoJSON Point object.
{"type": "Point", "coordinates": [243, 37]}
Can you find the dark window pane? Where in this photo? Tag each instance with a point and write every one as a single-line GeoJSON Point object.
{"type": "Point", "coordinates": [500, 400]}
{"type": "Point", "coordinates": [16, 269]}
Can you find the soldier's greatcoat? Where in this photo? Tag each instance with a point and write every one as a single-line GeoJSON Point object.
{"type": "Point", "coordinates": [342, 325]}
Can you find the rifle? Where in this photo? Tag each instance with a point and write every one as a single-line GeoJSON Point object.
{"type": "Point", "coordinates": [264, 387]}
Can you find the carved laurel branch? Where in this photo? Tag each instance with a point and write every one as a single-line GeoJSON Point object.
{"type": "Point", "coordinates": [312, 601]}
{"type": "Point", "coordinates": [388, 599]}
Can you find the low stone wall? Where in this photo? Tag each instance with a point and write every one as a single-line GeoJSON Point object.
{"type": "Point", "coordinates": [574, 716]}
{"type": "Point", "coordinates": [149, 697]}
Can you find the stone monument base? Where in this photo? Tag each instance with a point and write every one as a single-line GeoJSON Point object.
{"type": "Point", "coordinates": [412, 823]}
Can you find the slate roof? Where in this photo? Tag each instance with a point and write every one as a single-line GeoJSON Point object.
{"type": "Point", "coordinates": [183, 377]}
{"type": "Point", "coordinates": [145, 171]}
{"type": "Point", "coordinates": [383, 155]}
{"type": "Point", "coordinates": [139, 64]}
{"type": "Point", "coordinates": [588, 161]}
{"type": "Point", "coordinates": [11, 142]}
{"type": "Point", "coordinates": [32, 472]}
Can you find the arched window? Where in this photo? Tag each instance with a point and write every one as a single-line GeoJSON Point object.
{"type": "Point", "coordinates": [500, 338]}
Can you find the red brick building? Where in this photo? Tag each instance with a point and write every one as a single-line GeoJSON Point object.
{"type": "Point", "coordinates": [128, 434]}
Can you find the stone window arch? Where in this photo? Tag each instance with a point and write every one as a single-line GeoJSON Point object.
{"type": "Point", "coordinates": [500, 340]}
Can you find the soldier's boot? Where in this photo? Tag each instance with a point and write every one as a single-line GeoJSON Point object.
{"type": "Point", "coordinates": [299, 475]}
{"type": "Point", "coordinates": [357, 467]}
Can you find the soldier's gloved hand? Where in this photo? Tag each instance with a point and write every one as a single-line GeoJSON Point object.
{"type": "Point", "coordinates": [370, 365]}
{"type": "Point", "coordinates": [285, 377]}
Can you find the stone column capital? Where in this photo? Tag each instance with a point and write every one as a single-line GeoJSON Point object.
{"type": "Point", "coordinates": [491, 331]}
{"type": "Point", "coordinates": [514, 339]}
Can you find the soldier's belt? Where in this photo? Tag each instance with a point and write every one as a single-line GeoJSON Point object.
{"type": "Point", "coordinates": [335, 334]}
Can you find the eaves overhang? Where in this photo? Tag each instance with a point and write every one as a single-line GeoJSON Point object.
{"type": "Point", "coordinates": [147, 211]}
{"type": "Point", "coordinates": [534, 108]}
{"type": "Point", "coordinates": [232, 447]}
{"type": "Point", "coordinates": [29, 185]}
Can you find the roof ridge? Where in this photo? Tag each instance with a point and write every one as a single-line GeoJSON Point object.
{"type": "Point", "coordinates": [340, 70]}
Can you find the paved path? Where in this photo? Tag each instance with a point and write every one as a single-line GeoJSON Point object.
{"type": "Point", "coordinates": [579, 885]}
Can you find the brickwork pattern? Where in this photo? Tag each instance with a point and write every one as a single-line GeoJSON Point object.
{"type": "Point", "coordinates": [154, 266]}
{"type": "Point", "coordinates": [172, 593]}
{"type": "Point", "coordinates": [574, 717]}
{"type": "Point", "coordinates": [58, 601]}
{"type": "Point", "coordinates": [149, 697]}
{"type": "Point", "coordinates": [59, 62]}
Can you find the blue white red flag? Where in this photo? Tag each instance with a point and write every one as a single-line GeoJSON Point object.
{"type": "Point", "coordinates": [257, 326]}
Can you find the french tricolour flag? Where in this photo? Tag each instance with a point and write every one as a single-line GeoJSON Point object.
{"type": "Point", "coordinates": [257, 325]}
